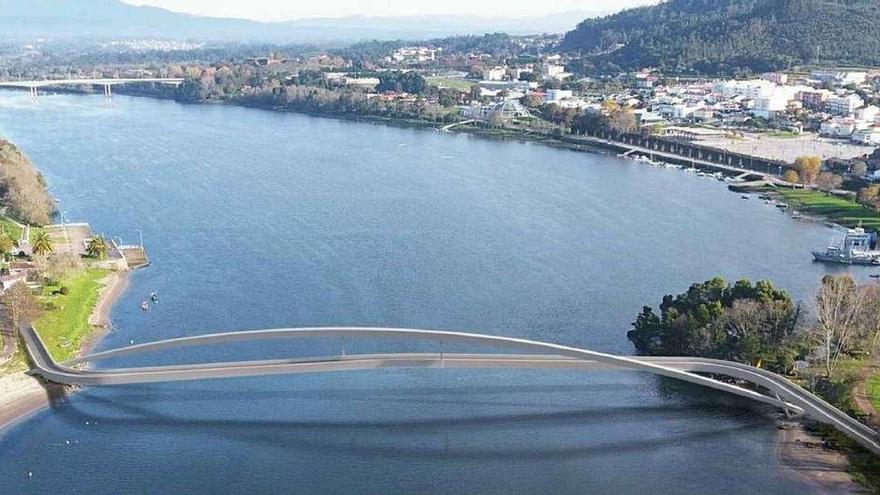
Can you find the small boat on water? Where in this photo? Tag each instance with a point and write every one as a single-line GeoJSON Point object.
{"type": "Point", "coordinates": [745, 196]}
{"type": "Point", "coordinates": [796, 215]}
{"type": "Point", "coordinates": [145, 306]}
{"type": "Point", "coordinates": [874, 275]}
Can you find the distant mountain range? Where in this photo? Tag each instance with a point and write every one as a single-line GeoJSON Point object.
{"type": "Point", "coordinates": [732, 36]}
{"type": "Point", "coordinates": [105, 19]}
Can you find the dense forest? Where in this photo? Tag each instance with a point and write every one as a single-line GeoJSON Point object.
{"type": "Point", "coordinates": [730, 36]}
{"type": "Point", "coordinates": [22, 188]}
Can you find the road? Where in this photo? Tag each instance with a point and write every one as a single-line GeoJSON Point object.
{"type": "Point", "coordinates": [782, 392]}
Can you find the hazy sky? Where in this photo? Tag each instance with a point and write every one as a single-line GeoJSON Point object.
{"type": "Point", "coordinates": [277, 10]}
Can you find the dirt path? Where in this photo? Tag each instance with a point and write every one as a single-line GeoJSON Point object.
{"type": "Point", "coordinates": [864, 403]}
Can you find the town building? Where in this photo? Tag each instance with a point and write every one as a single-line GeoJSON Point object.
{"type": "Point", "coordinates": [362, 82]}
{"type": "Point", "coordinates": [869, 136]}
{"type": "Point", "coordinates": [496, 73]}
{"type": "Point", "coordinates": [839, 77]}
{"type": "Point", "coordinates": [552, 71]}
{"type": "Point", "coordinates": [556, 95]}
{"type": "Point", "coordinates": [843, 105]}
{"type": "Point", "coordinates": [838, 127]}
{"type": "Point", "coordinates": [496, 112]}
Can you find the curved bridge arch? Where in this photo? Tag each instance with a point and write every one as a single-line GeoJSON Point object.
{"type": "Point", "coordinates": [785, 394]}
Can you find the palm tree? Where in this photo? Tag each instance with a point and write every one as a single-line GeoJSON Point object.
{"type": "Point", "coordinates": [42, 243]}
{"type": "Point", "coordinates": [97, 247]}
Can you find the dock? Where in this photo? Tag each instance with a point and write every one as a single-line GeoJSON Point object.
{"type": "Point", "coordinates": [135, 256]}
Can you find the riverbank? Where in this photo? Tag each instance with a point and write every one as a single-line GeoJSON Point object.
{"type": "Point", "coordinates": [806, 456]}
{"type": "Point", "coordinates": [22, 395]}
{"type": "Point", "coordinates": [845, 212]}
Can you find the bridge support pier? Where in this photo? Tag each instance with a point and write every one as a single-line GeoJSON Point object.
{"type": "Point", "coordinates": [107, 92]}
{"type": "Point", "coordinates": [788, 413]}
{"type": "Point", "coordinates": [33, 91]}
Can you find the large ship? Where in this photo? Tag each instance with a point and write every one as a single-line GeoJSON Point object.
{"type": "Point", "coordinates": [857, 248]}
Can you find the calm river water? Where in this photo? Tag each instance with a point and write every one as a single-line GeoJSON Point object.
{"type": "Point", "coordinates": [255, 219]}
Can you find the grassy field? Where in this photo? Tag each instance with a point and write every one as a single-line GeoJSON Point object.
{"type": "Point", "coordinates": [451, 83]}
{"type": "Point", "coordinates": [873, 389]}
{"type": "Point", "coordinates": [12, 228]}
{"type": "Point", "coordinates": [839, 210]}
{"type": "Point", "coordinates": [64, 326]}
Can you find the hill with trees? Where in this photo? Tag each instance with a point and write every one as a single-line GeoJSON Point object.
{"type": "Point", "coordinates": [730, 36]}
{"type": "Point", "coordinates": [22, 187]}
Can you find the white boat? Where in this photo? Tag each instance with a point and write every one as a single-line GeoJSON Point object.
{"type": "Point", "coordinates": [855, 249]}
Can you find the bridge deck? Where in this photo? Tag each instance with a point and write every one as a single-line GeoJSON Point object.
{"type": "Point", "coordinates": [783, 393]}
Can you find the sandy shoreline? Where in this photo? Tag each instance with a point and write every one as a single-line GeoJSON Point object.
{"type": "Point", "coordinates": [805, 456]}
{"type": "Point", "coordinates": [22, 395]}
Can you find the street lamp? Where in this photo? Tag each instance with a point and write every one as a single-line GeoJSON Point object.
{"type": "Point", "coordinates": [64, 227]}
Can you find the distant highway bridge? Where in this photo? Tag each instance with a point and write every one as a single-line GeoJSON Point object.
{"type": "Point", "coordinates": [782, 393]}
{"type": "Point", "coordinates": [106, 83]}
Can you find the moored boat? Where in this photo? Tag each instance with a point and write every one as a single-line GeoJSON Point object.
{"type": "Point", "coordinates": [857, 248]}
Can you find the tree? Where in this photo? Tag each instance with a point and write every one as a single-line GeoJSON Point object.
{"type": "Point", "coordinates": [42, 243]}
{"type": "Point", "coordinates": [20, 303]}
{"type": "Point", "coordinates": [843, 319]}
{"type": "Point", "coordinates": [791, 176]}
{"type": "Point", "coordinates": [750, 323]}
{"type": "Point", "coordinates": [97, 247]}
{"type": "Point", "coordinates": [622, 120]}
{"type": "Point", "coordinates": [809, 168]}
{"type": "Point", "coordinates": [870, 195]}
{"type": "Point", "coordinates": [828, 181]}
{"type": "Point", "coordinates": [6, 243]}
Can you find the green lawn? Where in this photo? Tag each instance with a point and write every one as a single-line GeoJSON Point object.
{"type": "Point", "coordinates": [12, 228]}
{"type": "Point", "coordinates": [463, 84]}
{"type": "Point", "coordinates": [839, 210]}
{"type": "Point", "coordinates": [782, 134]}
{"type": "Point", "coordinates": [873, 388]}
{"type": "Point", "coordinates": [66, 324]}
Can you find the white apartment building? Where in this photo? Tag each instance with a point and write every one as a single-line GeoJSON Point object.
{"type": "Point", "coordinates": [555, 95]}
{"type": "Point", "coordinates": [496, 73]}
{"type": "Point", "coordinates": [843, 105]}
{"type": "Point", "coordinates": [552, 71]}
{"type": "Point", "coordinates": [867, 113]}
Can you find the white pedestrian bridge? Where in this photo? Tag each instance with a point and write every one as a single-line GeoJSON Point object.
{"type": "Point", "coordinates": [751, 382]}
{"type": "Point", "coordinates": [106, 83]}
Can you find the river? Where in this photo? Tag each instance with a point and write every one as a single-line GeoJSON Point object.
{"type": "Point", "coordinates": [255, 219]}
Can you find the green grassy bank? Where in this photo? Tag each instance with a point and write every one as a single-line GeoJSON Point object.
{"type": "Point", "coordinates": [839, 210]}
{"type": "Point", "coordinates": [65, 324]}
